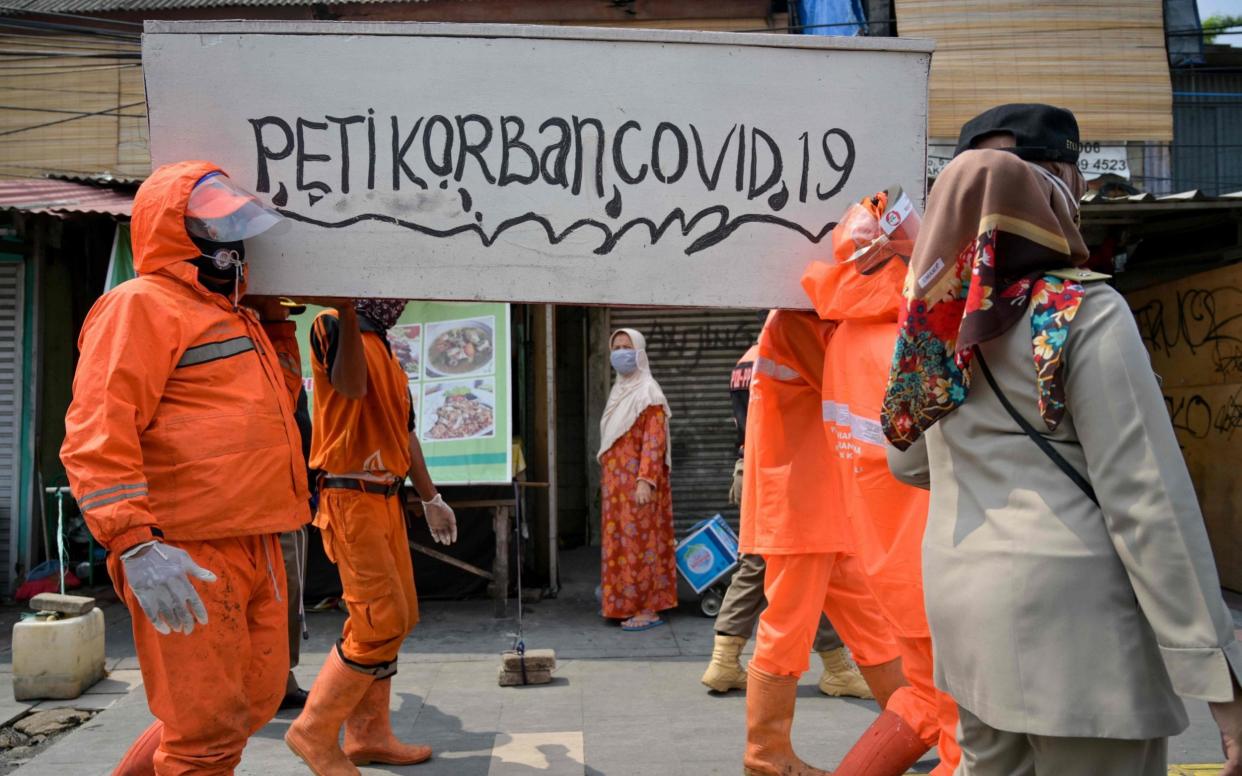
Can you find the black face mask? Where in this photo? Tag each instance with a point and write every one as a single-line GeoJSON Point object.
{"type": "Point", "coordinates": [211, 273]}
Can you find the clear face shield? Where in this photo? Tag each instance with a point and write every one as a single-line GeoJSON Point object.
{"type": "Point", "coordinates": [220, 212]}
{"type": "Point", "coordinates": [877, 229]}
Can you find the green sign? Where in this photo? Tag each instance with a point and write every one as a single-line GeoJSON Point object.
{"type": "Point", "coordinates": [456, 357]}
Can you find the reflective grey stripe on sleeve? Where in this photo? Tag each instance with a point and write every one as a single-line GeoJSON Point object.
{"type": "Point", "coordinates": [214, 351]}
{"type": "Point", "coordinates": [774, 369]}
{"type": "Point", "coordinates": [103, 502]}
{"type": "Point", "coordinates": [83, 501]}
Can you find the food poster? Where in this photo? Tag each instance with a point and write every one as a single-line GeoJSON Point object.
{"type": "Point", "coordinates": [456, 360]}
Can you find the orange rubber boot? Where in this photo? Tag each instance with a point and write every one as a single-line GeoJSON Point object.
{"type": "Point", "coordinates": [884, 680]}
{"type": "Point", "coordinates": [313, 736]}
{"type": "Point", "coordinates": [140, 759]}
{"type": "Point", "coordinates": [769, 718]}
{"type": "Point", "coordinates": [888, 748]}
{"type": "Point", "coordinates": [368, 732]}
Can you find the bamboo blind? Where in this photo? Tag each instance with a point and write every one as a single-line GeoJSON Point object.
{"type": "Point", "coordinates": [48, 87]}
{"type": "Point", "coordinates": [1103, 59]}
{"type": "Point", "coordinates": [53, 79]}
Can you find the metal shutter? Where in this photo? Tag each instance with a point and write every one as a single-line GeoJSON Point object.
{"type": "Point", "coordinates": [692, 353]}
{"type": "Point", "coordinates": [10, 409]}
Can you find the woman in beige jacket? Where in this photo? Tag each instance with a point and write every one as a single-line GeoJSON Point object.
{"type": "Point", "coordinates": [1071, 601]}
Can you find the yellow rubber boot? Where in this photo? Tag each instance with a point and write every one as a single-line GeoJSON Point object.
{"type": "Point", "coordinates": [841, 677]}
{"type": "Point", "coordinates": [314, 735]}
{"type": "Point", "coordinates": [368, 732]}
{"type": "Point", "coordinates": [769, 718]}
{"type": "Point", "coordinates": [725, 672]}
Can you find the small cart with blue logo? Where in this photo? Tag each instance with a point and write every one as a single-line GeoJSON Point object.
{"type": "Point", "coordinates": [706, 559]}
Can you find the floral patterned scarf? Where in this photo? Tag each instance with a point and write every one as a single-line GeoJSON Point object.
{"type": "Point", "coordinates": [996, 232]}
{"type": "Point", "coordinates": [381, 312]}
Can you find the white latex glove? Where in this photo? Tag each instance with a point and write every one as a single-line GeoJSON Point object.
{"type": "Point", "coordinates": [440, 520]}
{"type": "Point", "coordinates": [735, 489]}
{"type": "Point", "coordinates": [159, 576]}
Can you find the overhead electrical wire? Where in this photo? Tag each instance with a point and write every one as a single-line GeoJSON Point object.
{"type": "Point", "coordinates": [8, 132]}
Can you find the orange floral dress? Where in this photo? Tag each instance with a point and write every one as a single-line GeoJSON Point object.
{"type": "Point", "coordinates": [639, 568]}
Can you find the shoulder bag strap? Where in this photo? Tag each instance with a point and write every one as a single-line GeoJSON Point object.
{"type": "Point", "coordinates": [1035, 436]}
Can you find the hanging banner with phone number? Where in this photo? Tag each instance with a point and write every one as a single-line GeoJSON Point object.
{"type": "Point", "coordinates": [456, 359]}
{"type": "Point", "coordinates": [1095, 160]}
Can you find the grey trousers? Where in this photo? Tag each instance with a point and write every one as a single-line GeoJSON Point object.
{"type": "Point", "coordinates": [293, 546]}
{"type": "Point", "coordinates": [739, 612]}
{"type": "Point", "coordinates": [987, 751]}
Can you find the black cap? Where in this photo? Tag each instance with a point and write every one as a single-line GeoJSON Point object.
{"type": "Point", "coordinates": [1044, 133]}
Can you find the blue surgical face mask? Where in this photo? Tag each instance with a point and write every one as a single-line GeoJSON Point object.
{"type": "Point", "coordinates": [625, 360]}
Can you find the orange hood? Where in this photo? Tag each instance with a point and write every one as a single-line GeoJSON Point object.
{"type": "Point", "coordinates": [158, 225]}
{"type": "Point", "coordinates": [840, 293]}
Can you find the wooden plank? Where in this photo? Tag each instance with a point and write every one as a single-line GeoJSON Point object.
{"type": "Point", "coordinates": [449, 559]}
{"type": "Point", "coordinates": [1193, 328]}
{"type": "Point", "coordinates": [1193, 331]}
{"type": "Point", "coordinates": [1208, 421]}
{"type": "Point", "coordinates": [702, 164]}
{"type": "Point", "coordinates": [500, 567]}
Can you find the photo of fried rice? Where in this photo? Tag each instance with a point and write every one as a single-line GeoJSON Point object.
{"type": "Point", "coordinates": [459, 410]}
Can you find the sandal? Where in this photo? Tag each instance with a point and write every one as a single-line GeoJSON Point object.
{"type": "Point", "coordinates": [633, 625]}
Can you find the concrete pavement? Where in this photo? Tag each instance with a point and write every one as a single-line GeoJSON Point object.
{"type": "Point", "coordinates": [621, 704]}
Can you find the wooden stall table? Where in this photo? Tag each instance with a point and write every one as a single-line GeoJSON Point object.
{"type": "Point", "coordinates": [502, 510]}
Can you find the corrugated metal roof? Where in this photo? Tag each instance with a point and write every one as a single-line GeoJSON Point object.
{"type": "Point", "coordinates": [1193, 199]}
{"type": "Point", "coordinates": [103, 6]}
{"type": "Point", "coordinates": [63, 198]}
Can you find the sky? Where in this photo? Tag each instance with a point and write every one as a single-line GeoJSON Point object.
{"type": "Point", "coordinates": [1222, 7]}
{"type": "Point", "coordinates": [1213, 7]}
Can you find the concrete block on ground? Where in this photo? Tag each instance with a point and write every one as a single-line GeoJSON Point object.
{"type": "Point", "coordinates": [71, 605]}
{"type": "Point", "coordinates": [533, 659]}
{"type": "Point", "coordinates": [517, 678]}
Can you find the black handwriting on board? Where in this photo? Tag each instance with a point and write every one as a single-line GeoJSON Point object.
{"type": "Point", "coordinates": [1202, 317]}
{"type": "Point", "coordinates": [1192, 415]}
{"type": "Point", "coordinates": [1229, 417]}
{"type": "Point", "coordinates": [344, 164]}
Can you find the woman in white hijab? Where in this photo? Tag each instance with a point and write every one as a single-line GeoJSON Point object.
{"type": "Point", "coordinates": [639, 570]}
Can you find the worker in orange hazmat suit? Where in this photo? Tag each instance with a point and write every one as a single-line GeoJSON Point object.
{"type": "Point", "coordinates": [364, 442]}
{"type": "Point", "coordinates": [860, 295]}
{"type": "Point", "coordinates": [274, 316]}
{"type": "Point", "coordinates": [791, 516]}
{"type": "Point", "coordinates": [182, 452]}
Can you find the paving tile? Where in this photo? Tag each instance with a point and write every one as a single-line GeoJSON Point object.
{"type": "Point", "coordinates": [116, 682]}
{"type": "Point", "coordinates": [632, 700]}
{"type": "Point", "coordinates": [552, 752]}
{"type": "Point", "coordinates": [85, 702]}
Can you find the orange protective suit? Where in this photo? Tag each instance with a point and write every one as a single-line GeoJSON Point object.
{"type": "Point", "coordinates": [886, 517]}
{"type": "Point", "coordinates": [181, 428]}
{"type": "Point", "coordinates": [789, 512]}
{"type": "Point", "coordinates": [364, 534]}
{"type": "Point", "coordinates": [284, 337]}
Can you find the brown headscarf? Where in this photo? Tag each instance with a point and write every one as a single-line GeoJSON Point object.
{"type": "Point", "coordinates": [995, 227]}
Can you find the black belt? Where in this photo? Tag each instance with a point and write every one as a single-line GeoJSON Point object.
{"type": "Point", "coordinates": [351, 483]}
